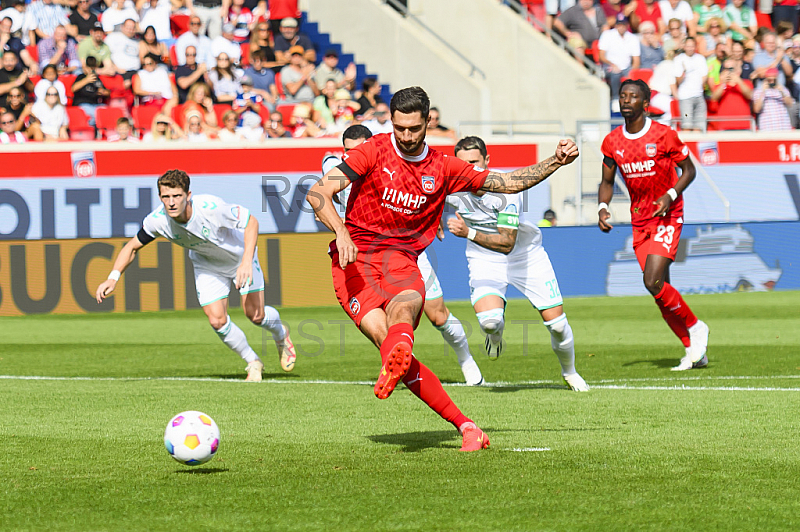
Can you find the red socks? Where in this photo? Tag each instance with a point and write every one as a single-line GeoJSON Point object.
{"type": "Point", "coordinates": [676, 312]}
{"type": "Point", "coordinates": [420, 380]}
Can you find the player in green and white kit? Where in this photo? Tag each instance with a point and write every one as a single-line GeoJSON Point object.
{"type": "Point", "coordinates": [221, 239]}
{"type": "Point", "coordinates": [505, 249]}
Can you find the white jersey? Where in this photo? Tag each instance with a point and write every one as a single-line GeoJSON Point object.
{"type": "Point", "coordinates": [214, 234]}
{"type": "Point", "coordinates": [488, 212]}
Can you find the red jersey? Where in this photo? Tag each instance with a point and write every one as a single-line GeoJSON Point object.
{"type": "Point", "coordinates": [397, 200]}
{"type": "Point", "coordinates": [647, 162]}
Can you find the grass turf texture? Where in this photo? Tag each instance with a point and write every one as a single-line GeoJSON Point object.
{"type": "Point", "coordinates": [645, 449]}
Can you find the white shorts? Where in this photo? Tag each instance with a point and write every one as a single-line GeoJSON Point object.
{"type": "Point", "coordinates": [531, 273]}
{"type": "Point", "coordinates": [212, 286]}
{"type": "Point", "coordinates": [433, 290]}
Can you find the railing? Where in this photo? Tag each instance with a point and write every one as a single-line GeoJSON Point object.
{"type": "Point", "coordinates": [675, 122]}
{"type": "Point", "coordinates": [590, 65]}
{"type": "Point", "coordinates": [510, 127]}
{"type": "Point", "coordinates": [403, 10]}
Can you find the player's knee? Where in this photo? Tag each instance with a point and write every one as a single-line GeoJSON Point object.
{"type": "Point", "coordinates": [219, 323]}
{"type": "Point", "coordinates": [560, 332]}
{"type": "Point", "coordinates": [491, 321]}
{"type": "Point", "coordinates": [439, 316]}
{"type": "Point", "coordinates": [256, 316]}
{"type": "Point", "coordinates": [653, 283]}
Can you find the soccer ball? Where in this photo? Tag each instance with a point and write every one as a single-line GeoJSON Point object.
{"type": "Point", "coordinates": [192, 438]}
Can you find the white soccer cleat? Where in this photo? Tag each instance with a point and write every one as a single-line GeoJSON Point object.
{"type": "Point", "coordinates": [472, 373]}
{"type": "Point", "coordinates": [254, 370]}
{"type": "Point", "coordinates": [494, 345]}
{"type": "Point", "coordinates": [686, 362]}
{"type": "Point", "coordinates": [703, 362]}
{"type": "Point", "coordinates": [698, 336]}
{"type": "Point", "coordinates": [576, 382]}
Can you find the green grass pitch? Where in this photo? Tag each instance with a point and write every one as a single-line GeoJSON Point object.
{"type": "Point", "coordinates": [646, 449]}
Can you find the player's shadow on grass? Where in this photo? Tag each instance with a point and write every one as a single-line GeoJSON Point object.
{"type": "Point", "coordinates": [518, 387]}
{"type": "Point", "coordinates": [238, 376]}
{"type": "Point", "coordinates": [414, 442]}
{"type": "Point", "coordinates": [201, 471]}
{"type": "Point", "coordinates": [660, 363]}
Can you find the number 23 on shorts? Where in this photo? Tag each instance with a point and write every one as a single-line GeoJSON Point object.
{"type": "Point", "coordinates": [666, 235]}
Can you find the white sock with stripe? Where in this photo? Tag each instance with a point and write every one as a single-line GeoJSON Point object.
{"type": "Point", "coordinates": [234, 337]}
{"type": "Point", "coordinates": [272, 322]}
{"type": "Point", "coordinates": [454, 334]}
{"type": "Point", "coordinates": [563, 343]}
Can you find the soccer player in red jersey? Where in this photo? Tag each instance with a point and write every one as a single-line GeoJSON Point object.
{"type": "Point", "coordinates": [399, 186]}
{"type": "Point", "coordinates": [646, 154]}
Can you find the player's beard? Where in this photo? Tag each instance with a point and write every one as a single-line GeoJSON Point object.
{"type": "Point", "coordinates": [411, 149]}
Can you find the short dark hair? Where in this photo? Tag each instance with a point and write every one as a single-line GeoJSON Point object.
{"type": "Point", "coordinates": [50, 67]}
{"type": "Point", "coordinates": [259, 54]}
{"type": "Point", "coordinates": [91, 61]}
{"type": "Point", "coordinates": [639, 83]}
{"type": "Point", "coordinates": [123, 120]}
{"type": "Point", "coordinates": [549, 214]}
{"type": "Point", "coordinates": [471, 143]}
{"type": "Point", "coordinates": [356, 132]}
{"type": "Point", "coordinates": [174, 179]}
{"type": "Point", "coordinates": [410, 100]}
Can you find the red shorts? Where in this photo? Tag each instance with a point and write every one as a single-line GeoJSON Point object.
{"type": "Point", "coordinates": [373, 280]}
{"type": "Point", "coordinates": [659, 237]}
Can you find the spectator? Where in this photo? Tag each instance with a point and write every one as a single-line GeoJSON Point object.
{"type": "Point", "coordinates": [52, 117]}
{"type": "Point", "coordinates": [210, 13]}
{"type": "Point", "coordinates": [681, 10]}
{"type": "Point", "coordinates": [195, 128]}
{"type": "Point", "coordinates": [224, 44]}
{"type": "Point", "coordinates": [344, 112]}
{"type": "Point", "coordinates": [731, 85]}
{"type": "Point", "coordinates": [242, 21]}
{"type": "Point", "coordinates": [297, 77]}
{"type": "Point", "coordinates": [189, 74]}
{"type": "Point", "coordinates": [16, 12]}
{"type": "Point", "coordinates": [675, 37]}
{"type": "Point", "coordinates": [201, 43]}
{"type": "Point", "coordinates": [691, 77]}
{"type": "Point", "coordinates": [155, 14]}
{"type": "Point", "coordinates": [163, 129]}
{"type": "Point", "coordinates": [715, 65]}
{"type": "Point", "coordinates": [741, 21]}
{"type": "Point", "coordinates": [9, 43]}
{"type": "Point", "coordinates": [259, 40]}
{"type": "Point", "coordinates": [229, 132]}
{"type": "Point", "coordinates": [42, 18]}
{"type": "Point", "coordinates": [661, 83]}
{"type": "Point", "coordinates": [619, 53]}
{"type": "Point", "coordinates": [50, 79]}
{"type": "Point", "coordinates": [737, 54]}
{"type": "Point", "coordinates": [612, 8]}
{"type": "Point", "coordinates": [263, 78]}
{"type": "Point", "coordinates": [122, 132]}
{"type": "Point", "coordinates": [329, 69]}
{"type": "Point", "coordinates": [89, 93]}
{"type": "Point", "coordinates": [553, 8]}
{"type": "Point", "coordinates": [712, 35]}
{"type": "Point", "coordinates": [549, 218]}
{"type": "Point", "coordinates": [154, 87]}
{"type": "Point", "coordinates": [81, 21]}
{"type": "Point", "coordinates": [302, 125]}
{"type": "Point", "coordinates": [784, 11]}
{"type": "Point", "coordinates": [280, 10]}
{"type": "Point", "coordinates": [370, 94]}
{"type": "Point", "coordinates": [199, 100]}
{"type": "Point", "coordinates": [652, 53]}
{"type": "Point", "coordinates": [325, 104]}
{"type": "Point", "coordinates": [794, 61]}
{"type": "Point", "coordinates": [770, 56]}
{"type": "Point", "coordinates": [435, 127]}
{"type": "Point", "coordinates": [60, 51]}
{"type": "Point", "coordinates": [149, 45]}
{"type": "Point", "coordinates": [12, 76]}
{"type": "Point", "coordinates": [784, 31]}
{"type": "Point", "coordinates": [275, 128]}
{"type": "Point", "coordinates": [17, 105]}
{"type": "Point", "coordinates": [648, 11]}
{"type": "Point", "coordinates": [381, 122]}
{"type": "Point", "coordinates": [225, 79]}
{"type": "Point", "coordinates": [771, 102]}
{"type": "Point", "coordinates": [117, 13]}
{"type": "Point", "coordinates": [125, 51]}
{"type": "Point", "coordinates": [703, 12]}
{"type": "Point", "coordinates": [96, 47]}
{"type": "Point", "coordinates": [581, 24]}
{"type": "Point", "coordinates": [289, 39]}
{"type": "Point", "coordinates": [247, 106]}
{"type": "Point", "coordinates": [9, 133]}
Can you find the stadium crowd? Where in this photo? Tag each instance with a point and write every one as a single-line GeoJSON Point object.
{"type": "Point", "coordinates": [162, 70]}
{"type": "Point", "coordinates": [712, 64]}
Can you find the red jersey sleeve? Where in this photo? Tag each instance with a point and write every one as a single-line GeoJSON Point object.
{"type": "Point", "coordinates": [359, 161]}
{"type": "Point", "coordinates": [674, 147]}
{"type": "Point", "coordinates": [462, 176]}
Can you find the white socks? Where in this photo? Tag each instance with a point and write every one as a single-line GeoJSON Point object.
{"type": "Point", "coordinates": [234, 337]}
{"type": "Point", "coordinates": [563, 343]}
{"type": "Point", "coordinates": [272, 323]}
{"type": "Point", "coordinates": [453, 333]}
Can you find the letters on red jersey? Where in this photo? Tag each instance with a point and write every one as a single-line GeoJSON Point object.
{"type": "Point", "coordinates": [397, 200]}
{"type": "Point", "coordinates": [647, 161]}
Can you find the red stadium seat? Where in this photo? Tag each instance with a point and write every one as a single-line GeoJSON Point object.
{"type": "Point", "coordinates": [33, 51]}
{"type": "Point", "coordinates": [286, 111]}
{"type": "Point", "coordinates": [279, 85]}
{"type": "Point", "coordinates": [245, 47]}
{"type": "Point", "coordinates": [643, 74]}
{"type": "Point", "coordinates": [177, 115]}
{"type": "Point", "coordinates": [219, 110]}
{"type": "Point", "coordinates": [79, 128]}
{"type": "Point", "coordinates": [173, 56]}
{"type": "Point", "coordinates": [178, 24]}
{"type": "Point", "coordinates": [106, 119]}
{"type": "Point", "coordinates": [264, 114]}
{"type": "Point", "coordinates": [143, 116]}
{"type": "Point", "coordinates": [675, 109]}
{"type": "Point", "coordinates": [763, 20]}
{"type": "Point", "coordinates": [68, 80]}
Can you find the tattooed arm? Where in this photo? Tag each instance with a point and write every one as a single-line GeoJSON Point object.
{"type": "Point", "coordinates": [530, 176]}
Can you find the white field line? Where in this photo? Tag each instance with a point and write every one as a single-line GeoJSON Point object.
{"type": "Point", "coordinates": [528, 449]}
{"type": "Point", "coordinates": [607, 384]}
